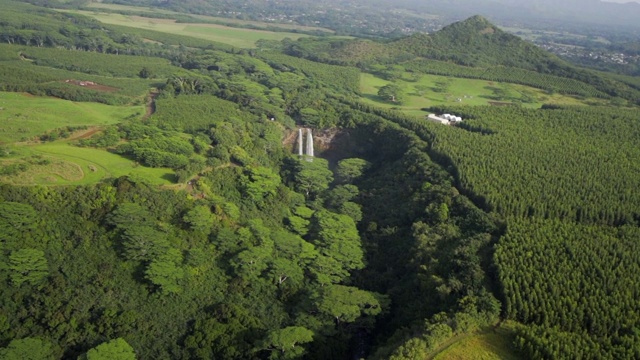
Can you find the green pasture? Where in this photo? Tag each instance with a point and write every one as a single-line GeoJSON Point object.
{"type": "Point", "coordinates": [492, 344]}
{"type": "Point", "coordinates": [430, 90]}
{"type": "Point", "coordinates": [59, 163]}
{"type": "Point", "coordinates": [239, 37]}
{"type": "Point", "coordinates": [140, 9]}
{"type": "Point", "coordinates": [22, 116]}
{"type": "Point", "coordinates": [71, 165]}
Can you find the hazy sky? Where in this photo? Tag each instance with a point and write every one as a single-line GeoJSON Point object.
{"type": "Point", "coordinates": [621, 1]}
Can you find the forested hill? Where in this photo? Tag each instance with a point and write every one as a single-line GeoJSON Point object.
{"type": "Point", "coordinates": [471, 42]}
{"type": "Point", "coordinates": [474, 48]}
{"type": "Point", "coordinates": [477, 42]}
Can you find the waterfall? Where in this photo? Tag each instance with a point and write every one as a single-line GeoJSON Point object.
{"type": "Point", "coordinates": [309, 143]}
{"type": "Point", "coordinates": [300, 142]}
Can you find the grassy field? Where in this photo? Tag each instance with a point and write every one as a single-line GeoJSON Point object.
{"type": "Point", "coordinates": [60, 163]}
{"type": "Point", "coordinates": [117, 7]}
{"type": "Point", "coordinates": [239, 37]}
{"type": "Point", "coordinates": [489, 345]}
{"type": "Point", "coordinates": [23, 116]}
{"type": "Point", "coordinates": [431, 90]}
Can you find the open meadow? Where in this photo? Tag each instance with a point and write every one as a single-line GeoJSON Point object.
{"type": "Point", "coordinates": [241, 23]}
{"type": "Point", "coordinates": [491, 344]}
{"type": "Point", "coordinates": [61, 163]}
{"type": "Point", "coordinates": [431, 90]}
{"type": "Point", "coordinates": [23, 116]}
{"type": "Point", "coordinates": [238, 37]}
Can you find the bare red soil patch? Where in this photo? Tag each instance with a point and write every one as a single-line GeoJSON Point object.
{"type": "Point", "coordinates": [91, 85]}
{"type": "Point", "coordinates": [85, 134]}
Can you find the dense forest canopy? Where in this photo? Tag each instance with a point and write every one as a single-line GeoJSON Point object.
{"type": "Point", "coordinates": [401, 238]}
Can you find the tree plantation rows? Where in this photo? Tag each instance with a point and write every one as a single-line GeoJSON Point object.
{"type": "Point", "coordinates": [24, 76]}
{"type": "Point", "coordinates": [109, 65]}
{"type": "Point", "coordinates": [579, 164]}
{"type": "Point", "coordinates": [589, 288]}
{"type": "Point", "coordinates": [568, 272]}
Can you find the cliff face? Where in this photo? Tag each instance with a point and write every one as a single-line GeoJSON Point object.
{"type": "Point", "coordinates": [331, 144]}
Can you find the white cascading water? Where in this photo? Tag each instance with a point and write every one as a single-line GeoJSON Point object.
{"type": "Point", "coordinates": [309, 143]}
{"type": "Point", "coordinates": [300, 142]}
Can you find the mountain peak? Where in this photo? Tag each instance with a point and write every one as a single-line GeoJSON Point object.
{"type": "Point", "coordinates": [476, 23]}
{"type": "Point", "coordinates": [477, 19]}
{"type": "Point", "coordinates": [476, 42]}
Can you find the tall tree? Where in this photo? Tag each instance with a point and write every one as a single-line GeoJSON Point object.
{"type": "Point", "coordinates": [336, 236]}
{"type": "Point", "coordinates": [285, 343]}
{"type": "Point", "coordinates": [350, 169]}
{"type": "Point", "coordinates": [28, 265]}
{"type": "Point", "coordinates": [165, 271]}
{"type": "Point", "coordinates": [391, 92]}
{"type": "Point", "coordinates": [15, 218]}
{"type": "Point", "coordinates": [28, 349]}
{"type": "Point", "coordinates": [346, 303]}
{"type": "Point", "coordinates": [117, 349]}
{"type": "Point", "coordinates": [312, 177]}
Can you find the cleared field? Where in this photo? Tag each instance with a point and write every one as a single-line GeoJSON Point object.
{"type": "Point", "coordinates": [431, 90]}
{"type": "Point", "coordinates": [70, 165]}
{"type": "Point", "coordinates": [239, 37]}
{"type": "Point", "coordinates": [118, 7]}
{"type": "Point", "coordinates": [494, 344]}
{"type": "Point", "coordinates": [23, 116]}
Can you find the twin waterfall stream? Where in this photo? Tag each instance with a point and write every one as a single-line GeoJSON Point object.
{"type": "Point", "coordinates": [309, 150]}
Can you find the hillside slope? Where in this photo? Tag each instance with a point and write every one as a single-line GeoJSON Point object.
{"type": "Point", "coordinates": [477, 42]}
{"type": "Point", "coordinates": [472, 48]}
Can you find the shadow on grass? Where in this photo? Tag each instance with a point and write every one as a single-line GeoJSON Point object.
{"type": "Point", "coordinates": [170, 177]}
{"type": "Point", "coordinates": [375, 98]}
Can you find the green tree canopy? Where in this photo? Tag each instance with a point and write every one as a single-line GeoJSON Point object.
{"type": "Point", "coordinates": [340, 194]}
{"type": "Point", "coordinates": [336, 236]}
{"type": "Point", "coordinates": [117, 349]}
{"type": "Point", "coordinates": [28, 349]}
{"type": "Point", "coordinates": [312, 177]}
{"type": "Point", "coordinates": [28, 265]}
{"type": "Point", "coordinates": [284, 343]}
{"type": "Point", "coordinates": [15, 217]}
{"type": "Point", "coordinates": [127, 214]}
{"type": "Point", "coordinates": [346, 303]}
{"type": "Point", "coordinates": [165, 271]}
{"type": "Point", "coordinates": [143, 243]}
{"type": "Point", "coordinates": [199, 218]}
{"type": "Point", "coordinates": [349, 170]}
{"type": "Point", "coordinates": [391, 92]}
{"type": "Point", "coordinates": [259, 182]}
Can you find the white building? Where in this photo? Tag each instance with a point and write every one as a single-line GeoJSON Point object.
{"type": "Point", "coordinates": [446, 119]}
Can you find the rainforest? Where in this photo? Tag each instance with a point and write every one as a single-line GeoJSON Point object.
{"type": "Point", "coordinates": [174, 185]}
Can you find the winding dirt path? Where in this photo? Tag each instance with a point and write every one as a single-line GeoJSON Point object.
{"type": "Point", "coordinates": [151, 104]}
{"type": "Point", "coordinates": [85, 134]}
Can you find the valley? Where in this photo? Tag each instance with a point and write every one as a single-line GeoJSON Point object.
{"type": "Point", "coordinates": [153, 203]}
